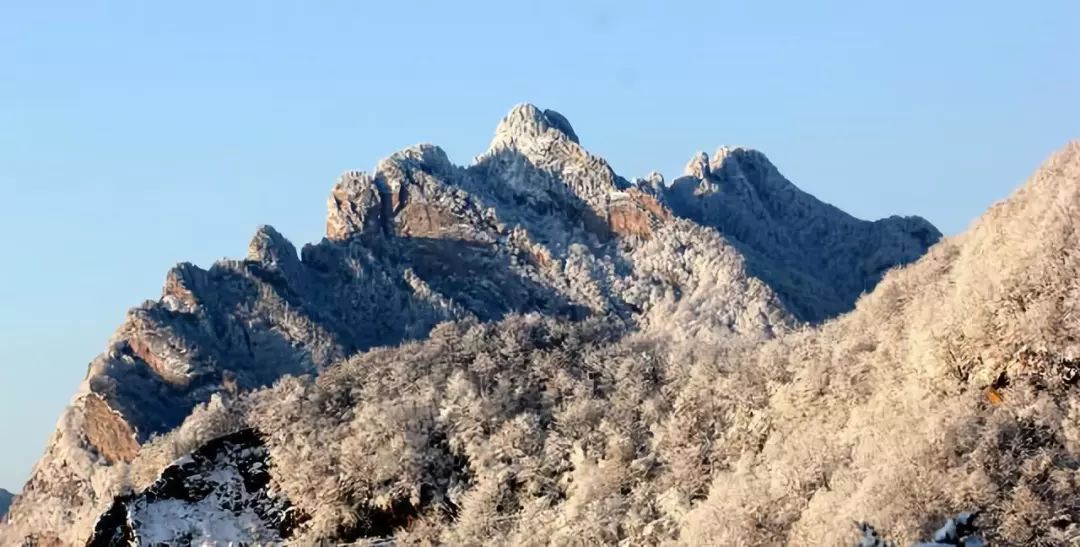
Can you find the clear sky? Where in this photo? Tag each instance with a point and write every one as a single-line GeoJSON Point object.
{"type": "Point", "coordinates": [134, 135]}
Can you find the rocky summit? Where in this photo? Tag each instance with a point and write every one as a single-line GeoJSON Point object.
{"type": "Point", "coordinates": [535, 348]}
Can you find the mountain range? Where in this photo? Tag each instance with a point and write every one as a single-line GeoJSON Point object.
{"type": "Point", "coordinates": [533, 346]}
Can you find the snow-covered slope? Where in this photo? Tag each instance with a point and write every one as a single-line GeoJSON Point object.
{"type": "Point", "coordinates": [218, 494]}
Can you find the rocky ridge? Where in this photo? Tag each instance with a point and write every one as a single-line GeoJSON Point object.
{"type": "Point", "coordinates": [535, 224]}
{"type": "Point", "coordinates": [816, 257]}
{"type": "Point", "coordinates": [949, 391]}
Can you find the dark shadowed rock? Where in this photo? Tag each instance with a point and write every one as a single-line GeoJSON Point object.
{"type": "Point", "coordinates": [5, 502]}
{"type": "Point", "coordinates": [816, 257]}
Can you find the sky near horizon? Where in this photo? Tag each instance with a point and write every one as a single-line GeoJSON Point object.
{"type": "Point", "coordinates": [134, 135]}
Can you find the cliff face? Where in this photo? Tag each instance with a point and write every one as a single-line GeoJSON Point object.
{"type": "Point", "coordinates": [536, 224]}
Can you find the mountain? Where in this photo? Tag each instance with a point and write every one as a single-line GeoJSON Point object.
{"type": "Point", "coordinates": [5, 502]}
{"type": "Point", "coordinates": [817, 258]}
{"type": "Point", "coordinates": [950, 388]}
{"type": "Point", "coordinates": [449, 282]}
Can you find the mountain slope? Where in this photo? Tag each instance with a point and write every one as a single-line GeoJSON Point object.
{"type": "Point", "coordinates": [951, 387]}
{"type": "Point", "coordinates": [536, 224]}
{"type": "Point", "coordinates": [816, 257]}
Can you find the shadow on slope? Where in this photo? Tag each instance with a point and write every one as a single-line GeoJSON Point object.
{"type": "Point", "coordinates": [817, 258]}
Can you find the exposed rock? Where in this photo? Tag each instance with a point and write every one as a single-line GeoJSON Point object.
{"type": "Point", "coordinates": [356, 205]}
{"type": "Point", "coordinates": [108, 433]}
{"type": "Point", "coordinates": [698, 167]}
{"type": "Point", "coordinates": [533, 162]}
{"type": "Point", "coordinates": [635, 213]}
{"type": "Point", "coordinates": [526, 122]}
{"type": "Point", "coordinates": [219, 494]}
{"type": "Point", "coordinates": [272, 251]}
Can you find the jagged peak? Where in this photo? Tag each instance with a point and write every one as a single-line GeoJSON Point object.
{"type": "Point", "coordinates": [354, 206]}
{"type": "Point", "coordinates": [182, 282]}
{"type": "Point", "coordinates": [271, 248]}
{"type": "Point", "coordinates": [698, 166]}
{"type": "Point", "coordinates": [725, 159]}
{"type": "Point", "coordinates": [428, 157]}
{"type": "Point", "coordinates": [561, 123]}
{"type": "Point", "coordinates": [726, 155]}
{"type": "Point", "coordinates": [362, 203]}
{"type": "Point", "coordinates": [526, 121]}
{"type": "Point", "coordinates": [653, 182]}
{"type": "Point", "coordinates": [535, 155]}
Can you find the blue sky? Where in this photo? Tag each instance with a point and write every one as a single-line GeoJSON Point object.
{"type": "Point", "coordinates": [134, 135]}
